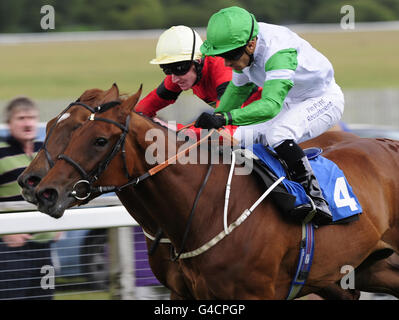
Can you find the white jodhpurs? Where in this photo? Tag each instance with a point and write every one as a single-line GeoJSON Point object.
{"type": "Point", "coordinates": [298, 121]}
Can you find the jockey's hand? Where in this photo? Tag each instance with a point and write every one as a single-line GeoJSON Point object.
{"type": "Point", "coordinates": [210, 121]}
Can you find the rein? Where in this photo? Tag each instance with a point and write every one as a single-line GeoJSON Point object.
{"type": "Point", "coordinates": [89, 178]}
{"type": "Point", "coordinates": [135, 181]}
{"type": "Point", "coordinates": [190, 218]}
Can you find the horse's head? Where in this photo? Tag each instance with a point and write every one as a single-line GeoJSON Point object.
{"type": "Point", "coordinates": [58, 134]}
{"type": "Point", "coordinates": [90, 149]}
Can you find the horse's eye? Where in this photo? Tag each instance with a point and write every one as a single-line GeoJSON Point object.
{"type": "Point", "coordinates": [100, 142]}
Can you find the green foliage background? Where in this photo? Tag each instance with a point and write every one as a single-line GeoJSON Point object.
{"type": "Point", "coordinates": [71, 15]}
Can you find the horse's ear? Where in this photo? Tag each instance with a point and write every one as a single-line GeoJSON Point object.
{"type": "Point", "coordinates": [112, 93]}
{"type": "Point", "coordinates": [130, 103]}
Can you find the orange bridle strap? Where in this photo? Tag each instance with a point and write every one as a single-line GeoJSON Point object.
{"type": "Point", "coordinates": [167, 162]}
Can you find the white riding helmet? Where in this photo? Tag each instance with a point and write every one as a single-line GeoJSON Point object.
{"type": "Point", "coordinates": [178, 44]}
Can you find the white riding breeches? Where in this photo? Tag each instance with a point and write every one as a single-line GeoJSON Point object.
{"type": "Point", "coordinates": [298, 121]}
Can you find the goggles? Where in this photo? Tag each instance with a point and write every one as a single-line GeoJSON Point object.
{"type": "Point", "coordinates": [178, 68]}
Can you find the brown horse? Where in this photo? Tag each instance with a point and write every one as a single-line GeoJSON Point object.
{"type": "Point", "coordinates": [66, 122]}
{"type": "Point", "coordinates": [62, 127]}
{"type": "Point", "coordinates": [59, 132]}
{"type": "Point", "coordinates": [236, 267]}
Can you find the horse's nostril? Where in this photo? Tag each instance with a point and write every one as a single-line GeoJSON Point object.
{"type": "Point", "coordinates": [49, 195]}
{"type": "Point", "coordinates": [46, 194]}
{"type": "Point", "coordinates": [33, 181]}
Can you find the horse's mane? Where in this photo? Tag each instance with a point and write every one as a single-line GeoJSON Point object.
{"type": "Point", "coordinates": [153, 121]}
{"type": "Point", "coordinates": [90, 95]}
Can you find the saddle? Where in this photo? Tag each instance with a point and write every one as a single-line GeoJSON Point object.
{"type": "Point", "coordinates": [289, 194]}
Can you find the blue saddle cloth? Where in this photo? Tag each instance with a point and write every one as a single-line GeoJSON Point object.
{"type": "Point", "coordinates": [336, 189]}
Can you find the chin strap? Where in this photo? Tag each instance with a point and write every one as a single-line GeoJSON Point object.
{"type": "Point", "coordinates": [198, 69]}
{"type": "Point", "coordinates": [251, 56]}
{"type": "Point", "coordinates": [251, 59]}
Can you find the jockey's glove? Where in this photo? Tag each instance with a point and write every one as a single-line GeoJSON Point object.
{"type": "Point", "coordinates": [210, 121]}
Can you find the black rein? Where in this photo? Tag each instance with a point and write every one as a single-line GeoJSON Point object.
{"type": "Point", "coordinates": [90, 178]}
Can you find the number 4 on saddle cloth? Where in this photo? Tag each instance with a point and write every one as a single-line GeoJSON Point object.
{"type": "Point", "coordinates": [343, 203]}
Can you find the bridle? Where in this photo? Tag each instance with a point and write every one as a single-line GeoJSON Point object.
{"type": "Point", "coordinates": [88, 179]}
{"type": "Point", "coordinates": [99, 108]}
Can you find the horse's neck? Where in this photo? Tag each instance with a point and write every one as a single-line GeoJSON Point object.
{"type": "Point", "coordinates": [168, 196]}
{"type": "Point", "coordinates": [137, 209]}
{"type": "Point", "coordinates": [393, 147]}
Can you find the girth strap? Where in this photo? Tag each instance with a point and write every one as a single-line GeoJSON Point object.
{"type": "Point", "coordinates": [305, 260]}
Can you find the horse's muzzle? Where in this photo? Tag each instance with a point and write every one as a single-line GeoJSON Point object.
{"type": "Point", "coordinates": [47, 197]}
{"type": "Point", "coordinates": [28, 184]}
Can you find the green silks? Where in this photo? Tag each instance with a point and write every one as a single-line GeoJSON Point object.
{"type": "Point", "coordinates": [234, 97]}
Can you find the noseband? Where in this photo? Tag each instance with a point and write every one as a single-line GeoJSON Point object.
{"type": "Point", "coordinates": [89, 178]}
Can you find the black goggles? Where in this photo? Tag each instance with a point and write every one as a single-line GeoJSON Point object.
{"type": "Point", "coordinates": [234, 54]}
{"type": "Point", "coordinates": [178, 68]}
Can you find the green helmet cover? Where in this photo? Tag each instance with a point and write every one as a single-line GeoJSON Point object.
{"type": "Point", "coordinates": [228, 29]}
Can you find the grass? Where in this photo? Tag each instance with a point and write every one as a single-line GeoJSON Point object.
{"type": "Point", "coordinates": [361, 59]}
{"type": "Point", "coordinates": [101, 295]}
{"type": "Point", "coordinates": [65, 70]}
{"type": "Point", "coordinates": [76, 288]}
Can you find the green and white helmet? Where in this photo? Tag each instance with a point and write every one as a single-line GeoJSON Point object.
{"type": "Point", "coordinates": [178, 43]}
{"type": "Point", "coordinates": [229, 29]}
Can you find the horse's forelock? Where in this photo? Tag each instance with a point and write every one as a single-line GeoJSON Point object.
{"type": "Point", "coordinates": [91, 95]}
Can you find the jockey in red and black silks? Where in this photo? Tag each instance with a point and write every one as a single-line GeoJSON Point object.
{"type": "Point", "coordinates": [179, 56]}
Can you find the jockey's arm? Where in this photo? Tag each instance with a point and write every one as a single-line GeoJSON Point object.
{"type": "Point", "coordinates": [234, 96]}
{"type": "Point", "coordinates": [280, 71]}
{"type": "Point", "coordinates": [266, 108]}
{"type": "Point", "coordinates": [159, 98]}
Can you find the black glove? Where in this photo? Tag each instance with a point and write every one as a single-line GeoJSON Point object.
{"type": "Point", "coordinates": [210, 121]}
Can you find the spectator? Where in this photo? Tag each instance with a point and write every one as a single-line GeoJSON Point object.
{"type": "Point", "coordinates": [22, 256]}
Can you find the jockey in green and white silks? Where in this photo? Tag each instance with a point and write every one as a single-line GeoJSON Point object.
{"type": "Point", "coordinates": [300, 99]}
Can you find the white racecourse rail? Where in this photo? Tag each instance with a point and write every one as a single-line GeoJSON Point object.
{"type": "Point", "coordinates": [101, 213]}
{"type": "Point", "coordinates": [87, 217]}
